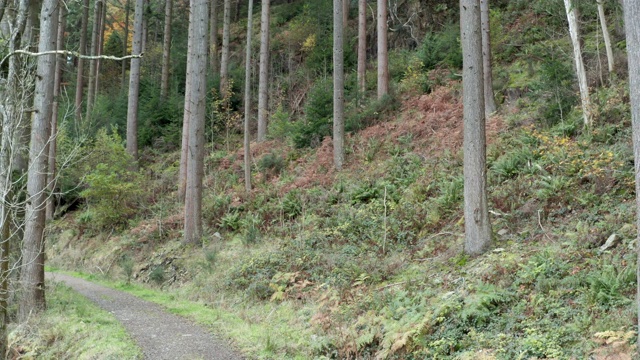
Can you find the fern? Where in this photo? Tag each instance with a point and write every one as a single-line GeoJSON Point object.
{"type": "Point", "coordinates": [480, 306]}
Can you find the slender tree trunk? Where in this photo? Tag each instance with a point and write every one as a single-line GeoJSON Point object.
{"type": "Point", "coordinates": [476, 211]}
{"type": "Point", "coordinates": [97, 15]}
{"type": "Point", "coordinates": [103, 24]}
{"type": "Point", "coordinates": [224, 62]}
{"type": "Point", "coordinates": [383, 58]}
{"type": "Point", "coordinates": [82, 51]}
{"type": "Point", "coordinates": [213, 37]}
{"type": "Point", "coordinates": [606, 36]}
{"type": "Point", "coordinates": [125, 43]}
{"type": "Point", "coordinates": [197, 98]}
{"type": "Point", "coordinates": [28, 40]}
{"type": "Point", "coordinates": [6, 148]}
{"type": "Point", "coordinates": [338, 85]}
{"type": "Point", "coordinates": [345, 14]}
{"type": "Point", "coordinates": [577, 55]}
{"type": "Point", "coordinates": [32, 275]}
{"type": "Point", "coordinates": [3, 4]}
{"type": "Point", "coordinates": [362, 45]}
{"type": "Point", "coordinates": [166, 50]}
{"type": "Point", "coordinates": [263, 96]}
{"type": "Point", "coordinates": [60, 60]}
{"type": "Point", "coordinates": [489, 99]}
{"type": "Point", "coordinates": [134, 83]}
{"type": "Point", "coordinates": [184, 151]}
{"type": "Point", "coordinates": [247, 101]}
{"type": "Point", "coordinates": [632, 30]}
{"type": "Point", "coordinates": [145, 26]}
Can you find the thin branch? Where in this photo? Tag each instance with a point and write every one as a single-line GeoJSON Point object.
{"type": "Point", "coordinates": [72, 53]}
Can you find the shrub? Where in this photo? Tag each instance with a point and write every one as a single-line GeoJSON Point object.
{"type": "Point", "coordinates": [113, 190]}
{"type": "Point", "coordinates": [442, 48]}
{"type": "Point", "coordinates": [271, 165]}
{"type": "Point", "coordinates": [319, 110]}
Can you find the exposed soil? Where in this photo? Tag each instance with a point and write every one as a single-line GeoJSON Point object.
{"type": "Point", "coordinates": [159, 334]}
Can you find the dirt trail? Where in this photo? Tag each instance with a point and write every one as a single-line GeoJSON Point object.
{"type": "Point", "coordinates": [159, 334]}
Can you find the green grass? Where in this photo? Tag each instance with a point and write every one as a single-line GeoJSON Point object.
{"type": "Point", "coordinates": [72, 327]}
{"type": "Point", "coordinates": [262, 331]}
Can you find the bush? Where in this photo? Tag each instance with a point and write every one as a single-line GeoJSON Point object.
{"type": "Point", "coordinates": [442, 48]}
{"type": "Point", "coordinates": [319, 110]}
{"type": "Point", "coordinates": [271, 165]}
{"type": "Point", "coordinates": [113, 189]}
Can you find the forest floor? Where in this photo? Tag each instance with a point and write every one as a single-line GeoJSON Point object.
{"type": "Point", "coordinates": [159, 334]}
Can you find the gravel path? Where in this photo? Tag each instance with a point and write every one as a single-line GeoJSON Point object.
{"type": "Point", "coordinates": [159, 334]}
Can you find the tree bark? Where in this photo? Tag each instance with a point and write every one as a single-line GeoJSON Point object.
{"type": "Point", "coordinates": [345, 14]}
{"type": "Point", "coordinates": [383, 58]}
{"type": "Point", "coordinates": [184, 150]}
{"type": "Point", "coordinates": [166, 50]}
{"type": "Point", "coordinates": [83, 51]}
{"type": "Point", "coordinates": [224, 61]}
{"type": "Point", "coordinates": [362, 45]}
{"type": "Point", "coordinates": [577, 55]}
{"type": "Point", "coordinates": [476, 211]}
{"type": "Point", "coordinates": [97, 15]}
{"type": "Point", "coordinates": [489, 99]}
{"type": "Point", "coordinates": [606, 36]}
{"type": "Point", "coordinates": [134, 83]}
{"type": "Point", "coordinates": [632, 30]}
{"type": "Point", "coordinates": [199, 16]}
{"type": "Point", "coordinates": [213, 37]}
{"type": "Point", "coordinates": [247, 102]}
{"type": "Point", "coordinates": [6, 137]}
{"type": "Point", "coordinates": [32, 275]}
{"type": "Point", "coordinates": [338, 85]}
{"type": "Point", "coordinates": [125, 44]}
{"type": "Point", "coordinates": [263, 87]}
{"type": "Point", "coordinates": [103, 24]}
{"type": "Point", "coordinates": [60, 60]}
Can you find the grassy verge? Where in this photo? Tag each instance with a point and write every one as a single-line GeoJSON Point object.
{"type": "Point", "coordinates": [72, 328]}
{"type": "Point", "coordinates": [260, 331]}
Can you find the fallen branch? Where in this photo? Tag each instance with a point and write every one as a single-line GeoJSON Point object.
{"type": "Point", "coordinates": [72, 53]}
{"type": "Point", "coordinates": [391, 285]}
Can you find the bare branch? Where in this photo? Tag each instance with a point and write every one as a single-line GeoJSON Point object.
{"type": "Point", "coordinates": [72, 53]}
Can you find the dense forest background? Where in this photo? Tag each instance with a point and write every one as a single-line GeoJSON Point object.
{"type": "Point", "coordinates": [314, 260]}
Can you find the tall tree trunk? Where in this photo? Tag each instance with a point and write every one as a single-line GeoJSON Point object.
{"type": "Point", "coordinates": [632, 30]}
{"type": "Point", "coordinates": [338, 85]}
{"type": "Point", "coordinates": [166, 50]}
{"type": "Point", "coordinates": [577, 55]}
{"type": "Point", "coordinates": [489, 99]}
{"type": "Point", "coordinates": [6, 148]}
{"type": "Point", "coordinates": [95, 40]}
{"type": "Point", "coordinates": [3, 4]}
{"type": "Point", "coordinates": [247, 101]}
{"type": "Point", "coordinates": [476, 212]}
{"type": "Point", "coordinates": [57, 79]}
{"type": "Point", "coordinates": [145, 25]}
{"type": "Point", "coordinates": [362, 45]}
{"type": "Point", "coordinates": [263, 95]}
{"type": "Point", "coordinates": [28, 40]}
{"type": "Point", "coordinates": [383, 55]}
{"type": "Point", "coordinates": [345, 14]}
{"type": "Point", "coordinates": [134, 83]}
{"type": "Point", "coordinates": [606, 36]}
{"type": "Point", "coordinates": [184, 151]}
{"type": "Point", "coordinates": [82, 51]}
{"type": "Point", "coordinates": [103, 24]}
{"type": "Point", "coordinates": [224, 62]}
{"type": "Point", "coordinates": [213, 37]}
{"type": "Point", "coordinates": [32, 275]}
{"type": "Point", "coordinates": [125, 43]}
{"type": "Point", "coordinates": [199, 16]}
